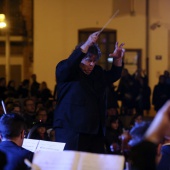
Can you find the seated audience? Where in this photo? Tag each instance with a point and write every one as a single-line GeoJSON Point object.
{"type": "Point", "coordinates": [137, 119]}
{"type": "Point", "coordinates": [112, 137]}
{"type": "Point", "coordinates": [12, 128]}
{"type": "Point", "coordinates": [39, 132]}
{"type": "Point", "coordinates": [29, 112]}
{"type": "Point", "coordinates": [41, 115]}
{"type": "Point", "coordinates": [50, 106]}
{"type": "Point", "coordinates": [16, 108]}
{"type": "Point", "coordinates": [38, 105]}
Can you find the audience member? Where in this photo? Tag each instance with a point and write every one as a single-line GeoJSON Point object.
{"type": "Point", "coordinates": [23, 89]}
{"type": "Point", "coordinates": [29, 113]}
{"type": "Point", "coordinates": [146, 95]}
{"type": "Point", "coordinates": [11, 89]}
{"type": "Point", "coordinates": [3, 88]}
{"type": "Point", "coordinates": [160, 93]}
{"type": "Point", "coordinates": [42, 116]}
{"type": "Point", "coordinates": [112, 100]}
{"type": "Point", "coordinates": [44, 93]}
{"type": "Point", "coordinates": [167, 77]}
{"type": "Point", "coordinates": [12, 128]}
{"type": "Point", "coordinates": [9, 106]}
{"type": "Point", "coordinates": [51, 105]}
{"type": "Point", "coordinates": [39, 132]}
{"type": "Point", "coordinates": [136, 119]}
{"type": "Point", "coordinates": [127, 93]}
{"type": "Point", "coordinates": [34, 89]}
{"type": "Point", "coordinates": [39, 105]}
{"type": "Point", "coordinates": [112, 136]}
{"type": "Point", "coordinates": [143, 92]}
{"type": "Point", "coordinates": [16, 109]}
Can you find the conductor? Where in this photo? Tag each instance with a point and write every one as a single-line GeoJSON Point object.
{"type": "Point", "coordinates": [79, 117]}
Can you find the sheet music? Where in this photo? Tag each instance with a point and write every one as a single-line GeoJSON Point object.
{"type": "Point", "coordinates": [34, 145]}
{"type": "Point", "coordinates": [72, 160]}
{"type": "Point", "coordinates": [50, 146]}
{"type": "Point", "coordinates": [30, 144]}
{"type": "Point", "coordinates": [55, 160]}
{"type": "Point", "coordinates": [100, 162]}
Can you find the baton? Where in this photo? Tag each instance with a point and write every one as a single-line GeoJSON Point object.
{"type": "Point", "coordinates": [113, 16]}
{"type": "Point", "coordinates": [3, 106]}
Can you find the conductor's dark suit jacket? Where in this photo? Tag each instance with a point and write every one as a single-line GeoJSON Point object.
{"type": "Point", "coordinates": [81, 98]}
{"type": "Point", "coordinates": [15, 155]}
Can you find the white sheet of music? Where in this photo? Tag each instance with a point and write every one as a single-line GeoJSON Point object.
{"type": "Point", "coordinates": [34, 145]}
{"type": "Point", "coordinates": [72, 160]}
{"type": "Point", "coordinates": [50, 146]}
{"type": "Point", "coordinates": [30, 144]}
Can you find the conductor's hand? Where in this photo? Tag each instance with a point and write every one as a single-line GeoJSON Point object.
{"type": "Point", "coordinates": [90, 41]}
{"type": "Point", "coordinates": [118, 54]}
{"type": "Point", "coordinates": [92, 38]}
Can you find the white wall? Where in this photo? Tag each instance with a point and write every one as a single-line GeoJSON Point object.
{"type": "Point", "coordinates": [56, 24]}
{"type": "Point", "coordinates": [159, 39]}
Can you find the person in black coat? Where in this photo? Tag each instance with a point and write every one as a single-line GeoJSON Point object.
{"type": "Point", "coordinates": [12, 127]}
{"type": "Point", "coordinates": [79, 116]}
{"type": "Point", "coordinates": [160, 93]}
{"type": "Point", "coordinates": [34, 88]}
{"type": "Point", "coordinates": [112, 137]}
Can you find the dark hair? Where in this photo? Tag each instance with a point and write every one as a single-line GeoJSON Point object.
{"type": "Point", "coordinates": [40, 110]}
{"type": "Point", "coordinates": [26, 100]}
{"type": "Point", "coordinates": [11, 125]}
{"type": "Point", "coordinates": [93, 49]}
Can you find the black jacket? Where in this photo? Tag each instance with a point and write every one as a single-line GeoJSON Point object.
{"type": "Point", "coordinates": [81, 98]}
{"type": "Point", "coordinates": [15, 155]}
